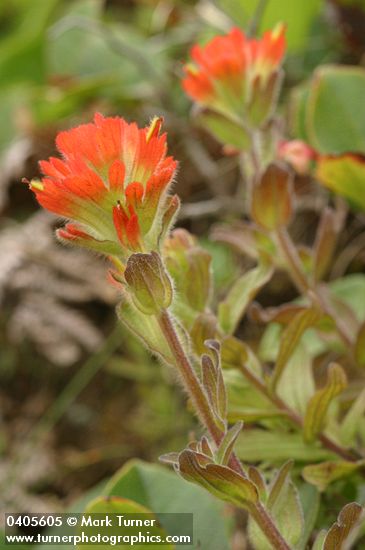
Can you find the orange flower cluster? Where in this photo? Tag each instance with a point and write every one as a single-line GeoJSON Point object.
{"type": "Point", "coordinates": [229, 72]}
{"type": "Point", "coordinates": [113, 179]}
{"type": "Point", "coordinates": [112, 183]}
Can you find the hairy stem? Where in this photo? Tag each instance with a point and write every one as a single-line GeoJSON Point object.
{"type": "Point", "coordinates": [294, 265]}
{"type": "Point", "coordinates": [267, 526]}
{"type": "Point", "coordinates": [193, 386]}
{"type": "Point", "coordinates": [293, 262]}
{"type": "Point", "coordinates": [191, 382]}
{"type": "Point", "coordinates": [200, 401]}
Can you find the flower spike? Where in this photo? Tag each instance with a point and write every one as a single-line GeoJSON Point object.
{"type": "Point", "coordinates": [112, 182]}
{"type": "Point", "coordinates": [234, 75]}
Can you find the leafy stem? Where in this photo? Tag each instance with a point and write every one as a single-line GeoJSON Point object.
{"type": "Point", "coordinates": [264, 521]}
{"type": "Point", "coordinates": [292, 259]}
{"type": "Point", "coordinates": [199, 399]}
{"type": "Point", "coordinates": [192, 384]}
{"type": "Point", "coordinates": [293, 416]}
{"type": "Point", "coordinates": [295, 269]}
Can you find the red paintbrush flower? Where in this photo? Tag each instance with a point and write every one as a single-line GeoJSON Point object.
{"type": "Point", "coordinates": [228, 71]}
{"type": "Point", "coordinates": [112, 183]}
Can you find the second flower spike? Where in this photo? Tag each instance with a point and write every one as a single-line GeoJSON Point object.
{"type": "Point", "coordinates": [237, 76]}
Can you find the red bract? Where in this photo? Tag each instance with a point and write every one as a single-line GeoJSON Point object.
{"type": "Point", "coordinates": [225, 72]}
{"type": "Point", "coordinates": [112, 181]}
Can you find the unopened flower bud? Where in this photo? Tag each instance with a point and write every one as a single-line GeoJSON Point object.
{"type": "Point", "coordinates": [238, 78]}
{"type": "Point", "coordinates": [298, 154]}
{"type": "Point", "coordinates": [273, 198]}
{"type": "Point", "coordinates": [149, 283]}
{"type": "Point", "coordinates": [112, 183]}
{"type": "Point", "coordinates": [189, 265]}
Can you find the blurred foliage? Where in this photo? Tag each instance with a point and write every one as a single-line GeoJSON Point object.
{"type": "Point", "coordinates": [338, 90]}
{"type": "Point", "coordinates": [61, 59]}
{"type": "Point", "coordinates": [298, 16]}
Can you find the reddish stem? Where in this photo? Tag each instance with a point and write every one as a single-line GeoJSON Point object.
{"type": "Point", "coordinates": [200, 401]}
{"type": "Point", "coordinates": [294, 417]}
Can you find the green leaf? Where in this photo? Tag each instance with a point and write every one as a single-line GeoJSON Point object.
{"type": "Point", "coordinates": [279, 483]}
{"type": "Point", "coordinates": [298, 105]}
{"type": "Point", "coordinates": [23, 51]}
{"type": "Point", "coordinates": [189, 266]}
{"type": "Point", "coordinates": [315, 417]}
{"type": "Point", "coordinates": [232, 309]}
{"type": "Point", "coordinates": [296, 385]}
{"type": "Point", "coordinates": [163, 491]}
{"type": "Point", "coordinates": [226, 446]}
{"type": "Point", "coordinates": [210, 376]}
{"type": "Point", "coordinates": [221, 481]}
{"type": "Point", "coordinates": [75, 48]}
{"type": "Point", "coordinates": [204, 328]}
{"type": "Point", "coordinates": [121, 506]}
{"type": "Point", "coordinates": [225, 130]}
{"type": "Point", "coordinates": [246, 239]}
{"type": "Point", "coordinates": [258, 479]}
{"type": "Point", "coordinates": [285, 508]}
{"type": "Point", "coordinates": [146, 328]}
{"type": "Point", "coordinates": [310, 499]}
{"type": "Point", "coordinates": [224, 265]}
{"type": "Point", "coordinates": [198, 284]}
{"type": "Point", "coordinates": [319, 541]}
{"type": "Point", "coordinates": [235, 353]}
{"type": "Point", "coordinates": [344, 175]}
{"type": "Point", "coordinates": [82, 44]}
{"type": "Point", "coordinates": [337, 90]}
{"type": "Point", "coordinates": [325, 473]}
{"type": "Point", "coordinates": [351, 423]}
{"type": "Point", "coordinates": [245, 402]}
{"type": "Point", "coordinates": [350, 290]}
{"type": "Point", "coordinates": [329, 228]}
{"type": "Point", "coordinates": [291, 337]}
{"type": "Point", "coordinates": [258, 445]}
